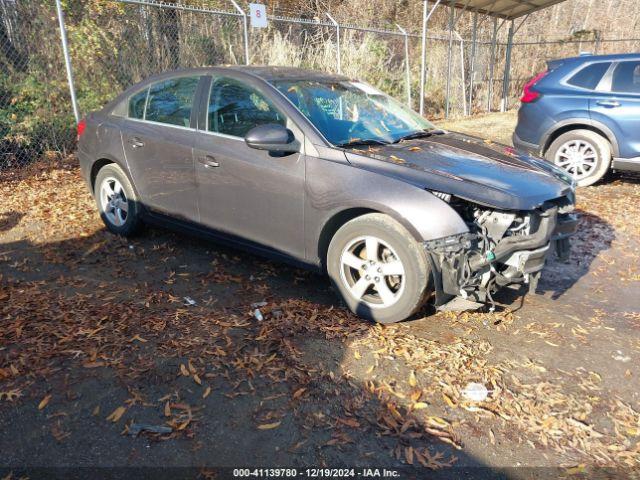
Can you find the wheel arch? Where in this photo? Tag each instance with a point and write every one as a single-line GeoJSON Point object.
{"type": "Point", "coordinates": [102, 161]}
{"type": "Point", "coordinates": [340, 218]}
{"type": "Point", "coordinates": [580, 124]}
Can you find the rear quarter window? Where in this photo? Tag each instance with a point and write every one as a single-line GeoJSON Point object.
{"type": "Point", "coordinates": [589, 76]}
{"type": "Point", "coordinates": [136, 104]}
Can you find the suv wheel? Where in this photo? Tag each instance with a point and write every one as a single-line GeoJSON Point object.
{"type": "Point", "coordinates": [378, 267]}
{"type": "Point", "coordinates": [117, 201]}
{"type": "Point", "coordinates": [583, 154]}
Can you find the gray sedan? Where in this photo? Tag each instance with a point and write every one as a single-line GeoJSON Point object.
{"type": "Point", "coordinates": [329, 172]}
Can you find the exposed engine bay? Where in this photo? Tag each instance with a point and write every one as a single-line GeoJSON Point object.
{"type": "Point", "coordinates": [501, 248]}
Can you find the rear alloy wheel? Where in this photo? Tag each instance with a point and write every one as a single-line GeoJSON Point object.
{"type": "Point", "coordinates": [117, 201]}
{"type": "Point", "coordinates": [379, 268]}
{"type": "Point", "coordinates": [583, 154]}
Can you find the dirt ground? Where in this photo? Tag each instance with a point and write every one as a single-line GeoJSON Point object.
{"type": "Point", "coordinates": [97, 343]}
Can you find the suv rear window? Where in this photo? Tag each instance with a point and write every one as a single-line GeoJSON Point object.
{"type": "Point", "coordinates": [589, 76]}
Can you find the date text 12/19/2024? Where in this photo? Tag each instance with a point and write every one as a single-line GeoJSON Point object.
{"type": "Point", "coordinates": [315, 473]}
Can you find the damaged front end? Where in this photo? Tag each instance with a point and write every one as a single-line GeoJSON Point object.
{"type": "Point", "coordinates": [500, 249]}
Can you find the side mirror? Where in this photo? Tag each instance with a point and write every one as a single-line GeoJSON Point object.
{"type": "Point", "coordinates": [272, 137]}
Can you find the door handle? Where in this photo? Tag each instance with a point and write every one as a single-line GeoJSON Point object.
{"type": "Point", "coordinates": [135, 142]}
{"type": "Point", "coordinates": [208, 161]}
{"type": "Point", "coordinates": [608, 103]}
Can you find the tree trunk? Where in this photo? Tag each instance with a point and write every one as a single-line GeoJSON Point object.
{"type": "Point", "coordinates": [13, 56]}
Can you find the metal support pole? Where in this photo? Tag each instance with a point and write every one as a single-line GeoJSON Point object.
{"type": "Point", "coordinates": [474, 44]}
{"type": "Point", "coordinates": [67, 61]}
{"type": "Point", "coordinates": [451, 18]}
{"type": "Point", "coordinates": [406, 64]}
{"type": "Point", "coordinates": [245, 28]}
{"type": "Point", "coordinates": [462, 74]}
{"type": "Point", "coordinates": [338, 58]}
{"type": "Point", "coordinates": [426, 14]}
{"type": "Point", "coordinates": [492, 64]}
{"type": "Point", "coordinates": [504, 104]}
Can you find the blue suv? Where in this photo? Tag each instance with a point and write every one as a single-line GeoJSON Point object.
{"type": "Point", "coordinates": [583, 114]}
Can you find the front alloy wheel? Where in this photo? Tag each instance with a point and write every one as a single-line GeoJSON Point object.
{"type": "Point", "coordinates": [379, 268]}
{"type": "Point", "coordinates": [372, 271]}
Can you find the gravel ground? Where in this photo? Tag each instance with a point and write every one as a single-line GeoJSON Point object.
{"type": "Point", "coordinates": [96, 340]}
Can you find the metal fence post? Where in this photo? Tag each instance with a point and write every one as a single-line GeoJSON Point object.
{"type": "Point", "coordinates": [492, 63]}
{"type": "Point", "coordinates": [504, 104]}
{"type": "Point", "coordinates": [474, 44]}
{"type": "Point", "coordinates": [423, 66]}
{"type": "Point", "coordinates": [447, 102]}
{"type": "Point", "coordinates": [338, 58]}
{"type": "Point", "coordinates": [462, 74]}
{"type": "Point", "coordinates": [67, 61]}
{"type": "Point", "coordinates": [406, 63]}
{"type": "Point", "coordinates": [245, 28]}
{"type": "Point", "coordinates": [426, 15]}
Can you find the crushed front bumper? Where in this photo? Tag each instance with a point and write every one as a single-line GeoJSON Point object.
{"type": "Point", "coordinates": [462, 268]}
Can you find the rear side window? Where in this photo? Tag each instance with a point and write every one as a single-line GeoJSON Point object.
{"type": "Point", "coordinates": [626, 78]}
{"type": "Point", "coordinates": [589, 76]}
{"type": "Point", "coordinates": [136, 104]}
{"type": "Point", "coordinates": [171, 101]}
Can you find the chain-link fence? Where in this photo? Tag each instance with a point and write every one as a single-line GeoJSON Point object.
{"type": "Point", "coordinates": [115, 43]}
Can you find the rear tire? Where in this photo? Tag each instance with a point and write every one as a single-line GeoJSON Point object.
{"type": "Point", "coordinates": [583, 154]}
{"type": "Point", "coordinates": [117, 201]}
{"type": "Point", "coordinates": [380, 270]}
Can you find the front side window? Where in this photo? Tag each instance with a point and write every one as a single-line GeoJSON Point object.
{"type": "Point", "coordinates": [589, 76]}
{"type": "Point", "coordinates": [348, 112]}
{"type": "Point", "coordinates": [171, 101]}
{"type": "Point", "coordinates": [626, 78]}
{"type": "Point", "coordinates": [235, 108]}
{"type": "Point", "coordinates": [136, 104]}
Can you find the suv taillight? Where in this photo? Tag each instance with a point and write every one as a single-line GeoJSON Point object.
{"type": "Point", "coordinates": [528, 93]}
{"type": "Point", "coordinates": [82, 125]}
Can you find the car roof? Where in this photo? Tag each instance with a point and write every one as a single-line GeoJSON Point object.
{"type": "Point", "coordinates": [612, 57]}
{"type": "Point", "coordinates": [266, 73]}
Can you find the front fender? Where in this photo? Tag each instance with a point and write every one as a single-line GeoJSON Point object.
{"type": "Point", "coordinates": [333, 187]}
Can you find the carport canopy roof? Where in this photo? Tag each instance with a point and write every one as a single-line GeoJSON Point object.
{"type": "Point", "coordinates": [507, 9]}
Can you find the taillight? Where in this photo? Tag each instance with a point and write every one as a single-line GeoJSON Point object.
{"type": "Point", "coordinates": [528, 93]}
{"type": "Point", "coordinates": [82, 125]}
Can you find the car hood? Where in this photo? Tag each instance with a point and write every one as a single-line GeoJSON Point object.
{"type": "Point", "coordinates": [468, 167]}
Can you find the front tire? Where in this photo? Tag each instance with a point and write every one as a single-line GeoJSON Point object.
{"type": "Point", "coordinates": [380, 270]}
{"type": "Point", "coordinates": [117, 201]}
{"type": "Point", "coordinates": [583, 154]}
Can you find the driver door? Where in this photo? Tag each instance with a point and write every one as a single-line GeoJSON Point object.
{"type": "Point", "coordinates": [254, 194]}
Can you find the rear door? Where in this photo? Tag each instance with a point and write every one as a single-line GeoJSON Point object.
{"type": "Point", "coordinates": [158, 138]}
{"type": "Point", "coordinates": [617, 105]}
{"type": "Point", "coordinates": [254, 194]}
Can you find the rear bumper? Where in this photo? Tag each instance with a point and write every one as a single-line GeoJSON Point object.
{"type": "Point", "coordinates": [528, 147]}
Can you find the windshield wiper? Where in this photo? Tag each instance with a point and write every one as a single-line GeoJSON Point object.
{"type": "Point", "coordinates": [366, 141]}
{"type": "Point", "coordinates": [419, 134]}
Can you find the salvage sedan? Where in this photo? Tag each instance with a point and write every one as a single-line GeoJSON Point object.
{"type": "Point", "coordinates": [328, 172]}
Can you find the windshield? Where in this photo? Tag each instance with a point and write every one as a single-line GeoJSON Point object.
{"type": "Point", "coordinates": [348, 112]}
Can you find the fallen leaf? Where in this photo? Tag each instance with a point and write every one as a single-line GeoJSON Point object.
{"type": "Point", "coordinates": [196, 379]}
{"type": "Point", "coordinates": [269, 426]}
{"type": "Point", "coordinates": [44, 402]}
{"type": "Point", "coordinates": [184, 370]}
{"type": "Point", "coordinates": [206, 392]}
{"type": "Point", "coordinates": [412, 379]}
{"type": "Point", "coordinates": [420, 405]}
{"type": "Point", "coordinates": [298, 392]}
{"type": "Point", "coordinates": [167, 409]}
{"type": "Point", "coordinates": [116, 414]}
